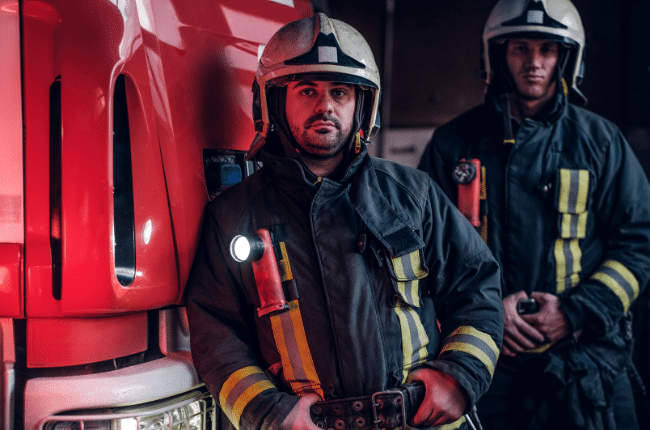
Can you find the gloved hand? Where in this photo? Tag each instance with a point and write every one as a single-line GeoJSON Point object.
{"type": "Point", "coordinates": [445, 400]}
{"type": "Point", "coordinates": [518, 334]}
{"type": "Point", "coordinates": [299, 417]}
{"type": "Point", "coordinates": [550, 320]}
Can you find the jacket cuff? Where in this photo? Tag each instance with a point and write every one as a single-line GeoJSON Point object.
{"type": "Point", "coordinates": [574, 312]}
{"type": "Point", "coordinates": [251, 401]}
{"type": "Point", "coordinates": [281, 408]}
{"type": "Point", "coordinates": [470, 394]}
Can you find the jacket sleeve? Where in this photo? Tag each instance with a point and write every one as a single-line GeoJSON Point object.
{"type": "Point", "coordinates": [221, 326]}
{"type": "Point", "coordinates": [464, 282]}
{"type": "Point", "coordinates": [621, 206]}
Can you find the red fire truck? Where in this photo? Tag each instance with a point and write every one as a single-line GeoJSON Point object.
{"type": "Point", "coordinates": [119, 119]}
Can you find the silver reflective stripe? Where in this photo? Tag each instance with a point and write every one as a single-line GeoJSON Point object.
{"type": "Point", "coordinates": [620, 280]}
{"type": "Point", "coordinates": [469, 340]}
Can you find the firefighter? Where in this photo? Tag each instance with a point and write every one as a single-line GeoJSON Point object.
{"type": "Point", "coordinates": [565, 208]}
{"type": "Point", "coordinates": [353, 281]}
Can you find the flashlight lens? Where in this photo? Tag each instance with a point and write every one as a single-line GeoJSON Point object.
{"type": "Point", "coordinates": [240, 248]}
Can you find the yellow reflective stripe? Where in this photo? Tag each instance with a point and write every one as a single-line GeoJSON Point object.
{"type": "Point", "coordinates": [410, 291]}
{"type": "Point", "coordinates": [414, 339]}
{"type": "Point", "coordinates": [483, 229]}
{"type": "Point", "coordinates": [469, 340]}
{"type": "Point", "coordinates": [574, 226]}
{"type": "Point", "coordinates": [409, 267]}
{"type": "Point", "coordinates": [291, 341]}
{"type": "Point", "coordinates": [583, 191]}
{"type": "Point", "coordinates": [398, 267]}
{"type": "Point", "coordinates": [408, 270]}
{"type": "Point", "coordinates": [239, 389]}
{"type": "Point", "coordinates": [574, 189]}
{"type": "Point", "coordinates": [283, 264]}
{"type": "Point", "coordinates": [539, 349]}
{"type": "Point", "coordinates": [568, 266]}
{"type": "Point", "coordinates": [234, 415]}
{"type": "Point", "coordinates": [482, 188]}
{"type": "Point", "coordinates": [452, 426]}
{"type": "Point", "coordinates": [620, 280]}
{"type": "Point", "coordinates": [565, 87]}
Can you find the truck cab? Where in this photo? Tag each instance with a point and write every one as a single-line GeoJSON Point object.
{"type": "Point", "coordinates": [120, 119]}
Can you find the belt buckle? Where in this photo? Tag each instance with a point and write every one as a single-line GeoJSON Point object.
{"type": "Point", "coordinates": [375, 414]}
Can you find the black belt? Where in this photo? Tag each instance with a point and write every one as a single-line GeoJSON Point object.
{"type": "Point", "coordinates": [383, 410]}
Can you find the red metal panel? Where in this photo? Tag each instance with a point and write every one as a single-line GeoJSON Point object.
{"type": "Point", "coordinates": [89, 45]}
{"type": "Point", "coordinates": [188, 70]}
{"type": "Point", "coordinates": [11, 161]}
{"type": "Point", "coordinates": [57, 342]}
{"type": "Point", "coordinates": [40, 22]}
{"type": "Point", "coordinates": [205, 56]}
{"type": "Point", "coordinates": [11, 291]}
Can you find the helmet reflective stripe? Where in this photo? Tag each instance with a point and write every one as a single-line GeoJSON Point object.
{"type": "Point", "coordinates": [556, 20]}
{"type": "Point", "coordinates": [327, 48]}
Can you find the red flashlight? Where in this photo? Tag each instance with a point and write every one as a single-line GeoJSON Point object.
{"type": "Point", "coordinates": [468, 176]}
{"type": "Point", "coordinates": [258, 249]}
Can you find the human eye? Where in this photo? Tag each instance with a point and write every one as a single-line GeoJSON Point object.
{"type": "Point", "coordinates": [517, 48]}
{"type": "Point", "coordinates": [549, 49]}
{"type": "Point", "coordinates": [307, 91]}
{"type": "Point", "coordinates": [340, 93]}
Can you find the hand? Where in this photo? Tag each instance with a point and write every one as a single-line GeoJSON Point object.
{"type": "Point", "coordinates": [444, 401]}
{"type": "Point", "coordinates": [299, 417]}
{"type": "Point", "coordinates": [518, 334]}
{"type": "Point", "coordinates": [550, 320]}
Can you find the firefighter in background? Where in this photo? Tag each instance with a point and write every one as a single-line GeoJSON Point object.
{"type": "Point", "coordinates": [370, 257]}
{"type": "Point", "coordinates": [565, 208]}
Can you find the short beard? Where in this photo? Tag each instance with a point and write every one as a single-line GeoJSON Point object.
{"type": "Point", "coordinates": [316, 149]}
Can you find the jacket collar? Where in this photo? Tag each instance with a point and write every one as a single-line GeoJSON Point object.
{"type": "Point", "coordinates": [366, 196]}
{"type": "Point", "coordinates": [549, 115]}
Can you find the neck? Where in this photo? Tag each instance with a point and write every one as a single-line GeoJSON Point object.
{"type": "Point", "coordinates": [321, 167]}
{"type": "Point", "coordinates": [521, 108]}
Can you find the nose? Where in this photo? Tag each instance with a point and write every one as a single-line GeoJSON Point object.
{"type": "Point", "coordinates": [324, 103]}
{"type": "Point", "coordinates": [534, 58]}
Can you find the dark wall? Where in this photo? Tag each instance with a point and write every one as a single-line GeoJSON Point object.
{"type": "Point", "coordinates": [435, 77]}
{"type": "Point", "coordinates": [437, 48]}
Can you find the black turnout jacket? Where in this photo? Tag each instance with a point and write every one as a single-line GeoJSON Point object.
{"type": "Point", "coordinates": [345, 241]}
{"type": "Point", "coordinates": [568, 211]}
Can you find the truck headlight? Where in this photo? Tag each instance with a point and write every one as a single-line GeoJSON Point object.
{"type": "Point", "coordinates": [192, 411]}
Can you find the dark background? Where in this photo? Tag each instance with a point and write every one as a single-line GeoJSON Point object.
{"type": "Point", "coordinates": [434, 76]}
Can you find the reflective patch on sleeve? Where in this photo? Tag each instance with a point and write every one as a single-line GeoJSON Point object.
{"type": "Point", "coordinates": [291, 341]}
{"type": "Point", "coordinates": [240, 388]}
{"type": "Point", "coordinates": [414, 338]}
{"type": "Point", "coordinates": [568, 266]}
{"type": "Point", "coordinates": [408, 271]}
{"type": "Point", "coordinates": [620, 280]}
{"type": "Point", "coordinates": [469, 340]}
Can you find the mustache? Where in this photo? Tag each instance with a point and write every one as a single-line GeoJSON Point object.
{"type": "Point", "coordinates": [322, 117]}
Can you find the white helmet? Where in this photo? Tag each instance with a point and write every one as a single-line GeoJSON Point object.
{"type": "Point", "coordinates": [556, 20]}
{"type": "Point", "coordinates": [325, 49]}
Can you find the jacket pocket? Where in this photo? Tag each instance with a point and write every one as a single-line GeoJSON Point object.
{"type": "Point", "coordinates": [406, 272]}
{"type": "Point", "coordinates": [572, 202]}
